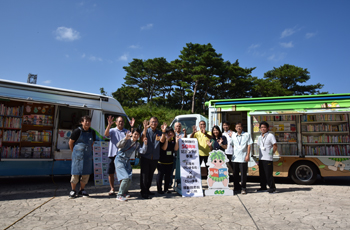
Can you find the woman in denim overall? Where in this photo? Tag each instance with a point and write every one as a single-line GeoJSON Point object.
{"type": "Point", "coordinates": [127, 147]}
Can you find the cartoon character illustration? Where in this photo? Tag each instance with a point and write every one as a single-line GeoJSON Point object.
{"type": "Point", "coordinates": [219, 172]}
{"type": "Point", "coordinates": [338, 163]}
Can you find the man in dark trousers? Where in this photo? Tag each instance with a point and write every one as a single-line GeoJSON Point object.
{"type": "Point", "coordinates": [150, 159]}
{"type": "Point", "coordinates": [267, 147]}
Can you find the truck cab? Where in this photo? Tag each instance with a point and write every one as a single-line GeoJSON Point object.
{"type": "Point", "coordinates": [189, 120]}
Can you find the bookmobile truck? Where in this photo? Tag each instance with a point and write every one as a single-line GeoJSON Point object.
{"type": "Point", "coordinates": [36, 123]}
{"type": "Point", "coordinates": [312, 132]}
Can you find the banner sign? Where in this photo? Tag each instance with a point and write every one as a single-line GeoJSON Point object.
{"type": "Point", "coordinates": [100, 156]}
{"type": "Point", "coordinates": [191, 181]}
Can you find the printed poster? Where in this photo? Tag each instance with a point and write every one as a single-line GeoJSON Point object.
{"type": "Point", "coordinates": [190, 170]}
{"type": "Point", "coordinates": [100, 156]}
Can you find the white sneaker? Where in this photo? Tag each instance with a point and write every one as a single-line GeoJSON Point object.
{"type": "Point", "coordinates": [121, 198]}
{"type": "Point", "coordinates": [127, 196]}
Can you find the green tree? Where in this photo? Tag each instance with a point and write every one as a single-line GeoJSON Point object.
{"type": "Point", "coordinates": [129, 96]}
{"type": "Point", "coordinates": [103, 92]}
{"type": "Point", "coordinates": [291, 80]}
{"type": "Point", "coordinates": [200, 64]}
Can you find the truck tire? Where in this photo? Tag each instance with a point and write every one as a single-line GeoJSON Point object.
{"type": "Point", "coordinates": [304, 172]}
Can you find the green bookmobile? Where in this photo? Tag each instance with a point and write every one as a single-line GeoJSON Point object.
{"type": "Point", "coordinates": [312, 132]}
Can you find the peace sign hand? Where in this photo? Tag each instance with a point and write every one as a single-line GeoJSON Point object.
{"type": "Point", "coordinates": [132, 122]}
{"type": "Point", "coordinates": [163, 127]}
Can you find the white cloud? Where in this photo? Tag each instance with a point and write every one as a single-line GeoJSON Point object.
{"type": "Point", "coordinates": [287, 45]}
{"type": "Point", "coordinates": [66, 34]}
{"type": "Point", "coordinates": [47, 82]}
{"type": "Point", "coordinates": [277, 57]}
{"type": "Point", "coordinates": [288, 32]}
{"type": "Point", "coordinates": [253, 46]}
{"type": "Point", "coordinates": [309, 35]}
{"type": "Point", "coordinates": [147, 27]}
{"type": "Point", "coordinates": [93, 58]}
{"type": "Point", "coordinates": [134, 46]}
{"type": "Point", "coordinates": [83, 55]}
{"type": "Point", "coordinates": [124, 57]}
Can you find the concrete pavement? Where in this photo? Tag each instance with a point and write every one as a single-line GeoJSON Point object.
{"type": "Point", "coordinates": [325, 205]}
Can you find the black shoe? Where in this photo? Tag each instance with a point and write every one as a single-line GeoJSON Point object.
{"type": "Point", "coordinates": [235, 192]}
{"type": "Point", "coordinates": [151, 193]}
{"type": "Point", "coordinates": [72, 194]}
{"type": "Point", "coordinates": [145, 196]}
{"type": "Point", "coordinates": [167, 191]}
{"type": "Point", "coordinates": [272, 191]}
{"type": "Point", "coordinates": [261, 190]}
{"type": "Point", "coordinates": [83, 193]}
{"type": "Point", "coordinates": [160, 192]}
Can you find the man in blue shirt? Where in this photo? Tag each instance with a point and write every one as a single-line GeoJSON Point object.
{"type": "Point", "coordinates": [242, 143]}
{"type": "Point", "coordinates": [149, 160]}
{"type": "Point", "coordinates": [115, 135]}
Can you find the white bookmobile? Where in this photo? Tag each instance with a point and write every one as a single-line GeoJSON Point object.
{"type": "Point", "coordinates": [312, 132]}
{"type": "Point", "coordinates": [36, 123]}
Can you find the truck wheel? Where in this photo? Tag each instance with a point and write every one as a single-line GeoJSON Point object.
{"type": "Point", "coordinates": [304, 173]}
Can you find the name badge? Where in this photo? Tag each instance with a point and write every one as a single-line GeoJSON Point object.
{"type": "Point", "coordinates": [168, 153]}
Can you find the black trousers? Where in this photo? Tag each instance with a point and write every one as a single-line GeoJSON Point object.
{"type": "Point", "coordinates": [147, 170]}
{"type": "Point", "coordinates": [266, 174]}
{"type": "Point", "coordinates": [243, 168]}
{"type": "Point", "coordinates": [164, 171]}
{"type": "Point", "coordinates": [229, 163]}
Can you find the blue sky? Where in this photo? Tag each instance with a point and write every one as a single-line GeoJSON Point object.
{"type": "Point", "coordinates": [83, 45]}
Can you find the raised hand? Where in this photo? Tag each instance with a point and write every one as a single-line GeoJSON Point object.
{"type": "Point", "coordinates": [194, 128]}
{"type": "Point", "coordinates": [146, 124]}
{"type": "Point", "coordinates": [128, 135]}
{"type": "Point", "coordinates": [203, 131]}
{"type": "Point", "coordinates": [230, 134]}
{"type": "Point", "coordinates": [145, 140]}
{"type": "Point", "coordinates": [163, 127]}
{"type": "Point", "coordinates": [178, 137]}
{"type": "Point", "coordinates": [220, 141]}
{"type": "Point", "coordinates": [184, 131]}
{"type": "Point", "coordinates": [132, 122]}
{"type": "Point", "coordinates": [208, 143]}
{"type": "Point", "coordinates": [110, 120]}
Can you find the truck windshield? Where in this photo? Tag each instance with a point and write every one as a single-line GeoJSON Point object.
{"type": "Point", "coordinates": [186, 123]}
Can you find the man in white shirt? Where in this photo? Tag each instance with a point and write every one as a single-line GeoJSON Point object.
{"type": "Point", "coordinates": [229, 151]}
{"type": "Point", "coordinates": [242, 142]}
{"type": "Point", "coordinates": [267, 147]}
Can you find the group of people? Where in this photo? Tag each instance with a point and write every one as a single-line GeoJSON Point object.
{"type": "Point", "coordinates": [237, 148]}
{"type": "Point", "coordinates": [158, 149]}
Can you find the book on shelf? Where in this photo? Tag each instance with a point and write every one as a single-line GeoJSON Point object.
{"type": "Point", "coordinates": [333, 150]}
{"type": "Point", "coordinates": [326, 139]}
{"type": "Point", "coordinates": [324, 117]}
{"type": "Point", "coordinates": [10, 152]}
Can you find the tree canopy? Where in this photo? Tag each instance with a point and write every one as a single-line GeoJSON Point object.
{"type": "Point", "coordinates": [201, 74]}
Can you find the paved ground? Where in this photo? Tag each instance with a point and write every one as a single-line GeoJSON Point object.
{"type": "Point", "coordinates": [325, 205]}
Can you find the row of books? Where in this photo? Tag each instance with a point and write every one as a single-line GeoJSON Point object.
{"type": "Point", "coordinates": [37, 136]}
{"type": "Point", "coordinates": [10, 152]}
{"type": "Point", "coordinates": [34, 119]}
{"type": "Point", "coordinates": [325, 128]}
{"type": "Point", "coordinates": [283, 149]}
{"type": "Point", "coordinates": [11, 136]}
{"type": "Point", "coordinates": [286, 137]}
{"type": "Point", "coordinates": [336, 150]}
{"type": "Point", "coordinates": [11, 111]}
{"type": "Point", "coordinates": [324, 117]}
{"type": "Point", "coordinates": [287, 149]}
{"type": "Point", "coordinates": [326, 139]}
{"type": "Point", "coordinates": [0, 138]}
{"type": "Point", "coordinates": [284, 127]}
{"type": "Point", "coordinates": [11, 122]}
{"type": "Point", "coordinates": [274, 118]}
{"type": "Point", "coordinates": [35, 152]}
